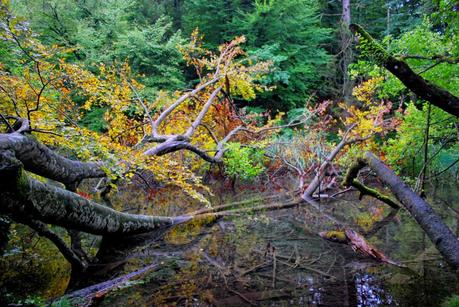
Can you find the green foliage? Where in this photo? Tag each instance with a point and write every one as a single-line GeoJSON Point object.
{"type": "Point", "coordinates": [63, 302]}
{"type": "Point", "coordinates": [243, 162]}
{"type": "Point", "coordinates": [452, 301]}
{"type": "Point", "coordinates": [404, 152]}
{"type": "Point", "coordinates": [425, 41]}
{"type": "Point", "coordinates": [153, 52]}
{"type": "Point", "coordinates": [94, 120]}
{"type": "Point", "coordinates": [290, 33]}
{"type": "Point", "coordinates": [422, 41]}
{"type": "Point", "coordinates": [108, 32]}
{"type": "Point", "coordinates": [212, 18]}
{"type": "Point", "coordinates": [32, 269]}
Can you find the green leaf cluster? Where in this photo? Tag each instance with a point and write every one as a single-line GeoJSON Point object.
{"type": "Point", "coordinates": [243, 162]}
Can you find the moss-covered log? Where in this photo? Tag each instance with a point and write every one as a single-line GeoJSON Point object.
{"type": "Point", "coordinates": [417, 84]}
{"type": "Point", "coordinates": [351, 180]}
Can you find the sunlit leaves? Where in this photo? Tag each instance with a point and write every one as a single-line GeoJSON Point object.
{"type": "Point", "coordinates": [58, 96]}
{"type": "Point", "coordinates": [243, 162]}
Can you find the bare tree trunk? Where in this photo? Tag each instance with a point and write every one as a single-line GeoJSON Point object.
{"type": "Point", "coordinates": [421, 183]}
{"type": "Point", "coordinates": [346, 50]}
{"type": "Point", "coordinates": [315, 183]}
{"type": "Point", "coordinates": [347, 12]}
{"type": "Point", "coordinates": [437, 231]}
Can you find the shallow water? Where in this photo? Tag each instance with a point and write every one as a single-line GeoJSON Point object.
{"type": "Point", "coordinates": [271, 259]}
{"type": "Point", "coordinates": [277, 259]}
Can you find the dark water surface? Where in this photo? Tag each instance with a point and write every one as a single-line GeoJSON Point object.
{"type": "Point", "coordinates": [277, 259]}
{"type": "Point", "coordinates": [271, 258]}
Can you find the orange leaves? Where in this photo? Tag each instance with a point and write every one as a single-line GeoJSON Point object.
{"type": "Point", "coordinates": [241, 75]}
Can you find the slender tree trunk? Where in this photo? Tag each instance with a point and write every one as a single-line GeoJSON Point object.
{"type": "Point", "coordinates": [346, 50]}
{"type": "Point", "coordinates": [346, 12]}
{"type": "Point", "coordinates": [387, 18]}
{"type": "Point", "coordinates": [420, 185]}
{"type": "Point", "coordinates": [178, 14]}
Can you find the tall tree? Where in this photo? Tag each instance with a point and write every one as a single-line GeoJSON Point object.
{"type": "Point", "coordinates": [346, 49]}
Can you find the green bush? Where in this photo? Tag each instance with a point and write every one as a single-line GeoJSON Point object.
{"type": "Point", "coordinates": [243, 162]}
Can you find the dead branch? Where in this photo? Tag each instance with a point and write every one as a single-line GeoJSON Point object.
{"type": "Point", "coordinates": [320, 173]}
{"type": "Point", "coordinates": [89, 293]}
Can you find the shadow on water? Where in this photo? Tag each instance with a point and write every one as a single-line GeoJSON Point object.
{"type": "Point", "coordinates": [277, 259]}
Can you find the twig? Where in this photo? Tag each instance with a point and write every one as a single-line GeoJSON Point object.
{"type": "Point", "coordinates": [274, 269]}
{"type": "Point", "coordinates": [10, 129]}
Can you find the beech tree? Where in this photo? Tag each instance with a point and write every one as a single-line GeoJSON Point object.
{"type": "Point", "coordinates": [39, 118]}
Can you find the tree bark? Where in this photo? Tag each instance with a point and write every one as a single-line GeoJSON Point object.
{"type": "Point", "coordinates": [346, 50]}
{"type": "Point", "coordinates": [40, 160]}
{"type": "Point", "coordinates": [25, 197]}
{"type": "Point", "coordinates": [438, 232]}
{"type": "Point", "coordinates": [417, 84]}
{"type": "Point", "coordinates": [346, 12]}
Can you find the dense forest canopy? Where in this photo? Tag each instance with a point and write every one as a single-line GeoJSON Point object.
{"type": "Point", "coordinates": [324, 100]}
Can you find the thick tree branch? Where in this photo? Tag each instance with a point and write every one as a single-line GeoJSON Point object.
{"type": "Point", "coordinates": [417, 84]}
{"type": "Point", "coordinates": [179, 101]}
{"type": "Point", "coordinates": [174, 145]}
{"type": "Point", "coordinates": [203, 113]}
{"type": "Point", "coordinates": [39, 159]}
{"type": "Point", "coordinates": [60, 207]}
{"type": "Point", "coordinates": [351, 180]}
{"type": "Point", "coordinates": [43, 230]}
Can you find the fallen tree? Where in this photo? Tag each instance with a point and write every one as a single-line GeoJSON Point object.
{"type": "Point", "coordinates": [437, 231]}
{"type": "Point", "coordinates": [54, 199]}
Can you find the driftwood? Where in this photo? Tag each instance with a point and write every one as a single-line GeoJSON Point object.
{"type": "Point", "coordinates": [86, 295]}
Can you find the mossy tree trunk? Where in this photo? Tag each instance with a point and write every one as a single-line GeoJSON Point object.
{"type": "Point", "coordinates": [421, 87]}
{"type": "Point", "coordinates": [29, 201]}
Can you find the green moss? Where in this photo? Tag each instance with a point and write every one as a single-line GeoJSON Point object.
{"type": "Point", "coordinates": [353, 171]}
{"type": "Point", "coordinates": [369, 45]}
{"type": "Point", "coordinates": [22, 182]}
